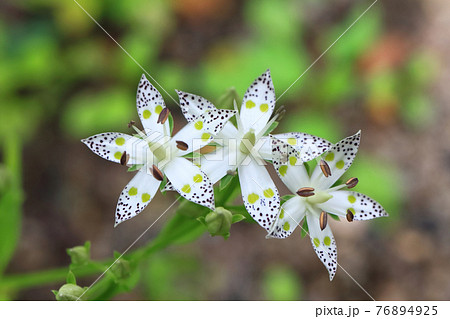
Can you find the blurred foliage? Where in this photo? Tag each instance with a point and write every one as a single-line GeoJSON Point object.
{"type": "Point", "coordinates": [59, 68]}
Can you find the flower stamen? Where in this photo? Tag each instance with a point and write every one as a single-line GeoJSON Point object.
{"type": "Point", "coordinates": [305, 192]}
{"type": "Point", "coordinates": [352, 182]}
{"type": "Point", "coordinates": [131, 124]}
{"type": "Point", "coordinates": [157, 174]}
{"type": "Point", "coordinates": [323, 220]}
{"type": "Point", "coordinates": [124, 158]}
{"type": "Point", "coordinates": [325, 168]}
{"type": "Point", "coordinates": [182, 145]}
{"type": "Point", "coordinates": [350, 215]}
{"type": "Point", "coordinates": [163, 115]}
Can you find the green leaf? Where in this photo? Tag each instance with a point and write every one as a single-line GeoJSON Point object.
{"type": "Point", "coordinates": [170, 123]}
{"type": "Point", "coordinates": [304, 228]}
{"type": "Point", "coordinates": [135, 167]}
{"type": "Point", "coordinates": [237, 218]}
{"type": "Point", "coordinates": [335, 217]}
{"type": "Point", "coordinates": [225, 181]}
{"type": "Point", "coordinates": [70, 279]}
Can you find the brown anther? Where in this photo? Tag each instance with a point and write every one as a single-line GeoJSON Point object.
{"type": "Point", "coordinates": [182, 145]}
{"type": "Point", "coordinates": [305, 192]}
{"type": "Point", "coordinates": [323, 220]}
{"type": "Point", "coordinates": [157, 173]}
{"type": "Point", "coordinates": [352, 182]}
{"type": "Point", "coordinates": [124, 158]}
{"type": "Point", "coordinates": [163, 115]}
{"type": "Point", "coordinates": [349, 215]}
{"type": "Point", "coordinates": [325, 168]}
{"type": "Point", "coordinates": [131, 123]}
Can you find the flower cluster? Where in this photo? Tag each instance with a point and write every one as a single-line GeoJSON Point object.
{"type": "Point", "coordinates": [246, 148]}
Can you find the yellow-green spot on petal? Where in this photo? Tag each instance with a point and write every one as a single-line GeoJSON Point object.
{"type": "Point", "coordinates": [327, 241]}
{"type": "Point", "coordinates": [340, 164]}
{"type": "Point", "coordinates": [198, 125]}
{"type": "Point", "coordinates": [132, 191]}
{"type": "Point", "coordinates": [281, 214]}
{"type": "Point", "coordinates": [145, 197]}
{"type": "Point", "coordinates": [264, 107]}
{"type": "Point", "coordinates": [351, 199]}
{"type": "Point", "coordinates": [120, 141]}
{"type": "Point", "coordinates": [186, 189]}
{"type": "Point", "coordinates": [283, 170]}
{"type": "Point", "coordinates": [286, 226]}
{"type": "Point", "coordinates": [250, 104]}
{"type": "Point", "coordinates": [198, 178]}
{"type": "Point", "coordinates": [158, 109]}
{"type": "Point", "coordinates": [329, 157]}
{"type": "Point", "coordinates": [268, 193]}
{"type": "Point", "coordinates": [118, 155]}
{"type": "Point", "coordinates": [292, 141]}
{"type": "Point", "coordinates": [205, 137]}
{"type": "Point", "coordinates": [146, 114]}
{"type": "Point", "coordinates": [252, 198]}
{"type": "Point", "coordinates": [352, 210]}
{"type": "Point", "coordinates": [292, 160]}
{"type": "Point", "coordinates": [316, 242]}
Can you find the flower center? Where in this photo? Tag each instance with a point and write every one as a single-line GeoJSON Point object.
{"type": "Point", "coordinates": [319, 197]}
{"type": "Point", "coordinates": [247, 142]}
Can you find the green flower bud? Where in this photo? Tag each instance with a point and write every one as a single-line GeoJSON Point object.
{"type": "Point", "coordinates": [69, 292]}
{"type": "Point", "coordinates": [219, 222]}
{"type": "Point", "coordinates": [80, 255]}
{"type": "Point", "coordinates": [121, 269]}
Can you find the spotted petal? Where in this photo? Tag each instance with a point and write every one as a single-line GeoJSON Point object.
{"type": "Point", "coordinates": [309, 146]}
{"type": "Point", "coordinates": [149, 104]}
{"type": "Point", "coordinates": [136, 196]}
{"type": "Point", "coordinates": [111, 146]}
{"type": "Point", "coordinates": [291, 214]}
{"type": "Point", "coordinates": [193, 105]}
{"type": "Point", "coordinates": [200, 132]}
{"type": "Point", "coordinates": [288, 165]}
{"type": "Point", "coordinates": [190, 182]}
{"type": "Point", "coordinates": [339, 158]}
{"type": "Point", "coordinates": [323, 244]}
{"type": "Point", "coordinates": [259, 193]}
{"type": "Point", "coordinates": [258, 104]}
{"type": "Point", "coordinates": [361, 206]}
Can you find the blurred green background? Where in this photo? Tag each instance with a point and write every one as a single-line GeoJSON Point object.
{"type": "Point", "coordinates": [62, 79]}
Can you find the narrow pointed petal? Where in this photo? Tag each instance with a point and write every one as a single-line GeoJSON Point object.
{"type": "Point", "coordinates": [218, 166]}
{"type": "Point", "coordinates": [289, 166]}
{"type": "Point", "coordinates": [200, 132]}
{"type": "Point", "coordinates": [111, 146]}
{"type": "Point", "coordinates": [291, 214]}
{"type": "Point", "coordinates": [193, 105]}
{"type": "Point", "coordinates": [323, 244]}
{"type": "Point", "coordinates": [339, 158]}
{"type": "Point", "coordinates": [258, 104]}
{"type": "Point", "coordinates": [136, 196]}
{"type": "Point", "coordinates": [361, 206]}
{"type": "Point", "coordinates": [260, 195]}
{"type": "Point", "coordinates": [309, 146]}
{"type": "Point", "coordinates": [188, 180]}
{"type": "Point", "coordinates": [149, 105]}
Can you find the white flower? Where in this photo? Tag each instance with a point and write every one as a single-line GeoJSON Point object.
{"type": "Point", "coordinates": [246, 147]}
{"type": "Point", "coordinates": [316, 197]}
{"type": "Point", "coordinates": [156, 154]}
